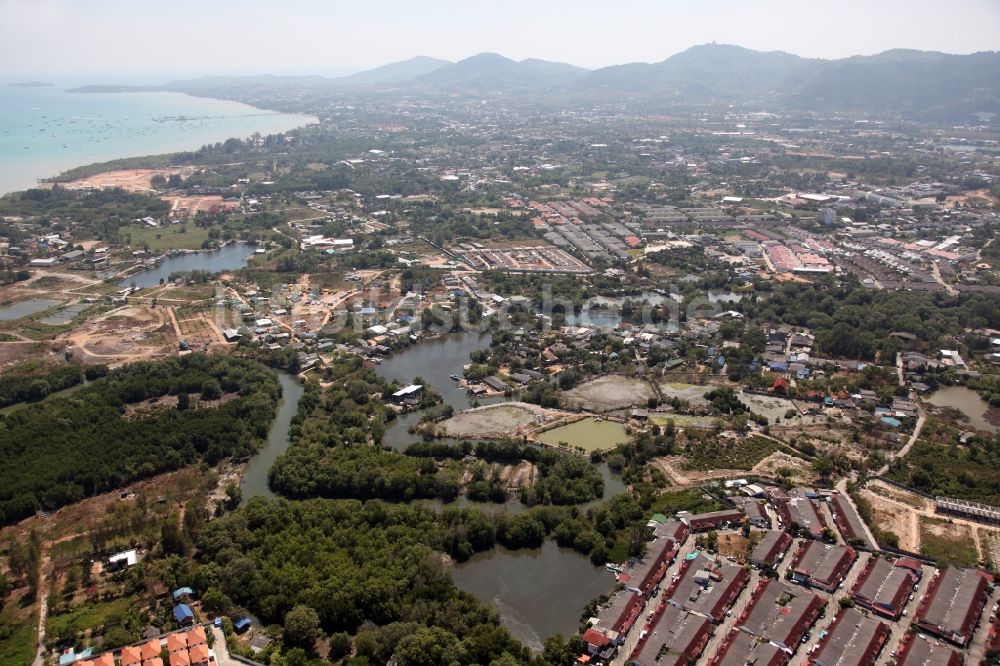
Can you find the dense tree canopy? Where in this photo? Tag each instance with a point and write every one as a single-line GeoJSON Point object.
{"type": "Point", "coordinates": [71, 447]}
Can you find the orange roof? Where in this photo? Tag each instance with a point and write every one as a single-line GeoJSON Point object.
{"type": "Point", "coordinates": [196, 636]}
{"type": "Point", "coordinates": [131, 655]}
{"type": "Point", "coordinates": [199, 654]}
{"type": "Point", "coordinates": [177, 641]}
{"type": "Point", "coordinates": [180, 658]}
{"type": "Point", "coordinates": [151, 649]}
{"type": "Point", "coordinates": [106, 659]}
{"type": "Point", "coordinates": [155, 661]}
{"type": "Point", "coordinates": [85, 662]}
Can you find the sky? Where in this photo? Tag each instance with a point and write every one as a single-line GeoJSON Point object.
{"type": "Point", "coordinates": [143, 41]}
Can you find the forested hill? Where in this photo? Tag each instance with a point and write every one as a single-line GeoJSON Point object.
{"type": "Point", "coordinates": [204, 408]}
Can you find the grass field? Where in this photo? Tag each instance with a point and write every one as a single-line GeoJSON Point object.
{"type": "Point", "coordinates": [169, 237]}
{"type": "Point", "coordinates": [948, 543]}
{"type": "Point", "coordinates": [692, 500]}
{"type": "Point", "coordinates": [89, 615]}
{"type": "Point", "coordinates": [17, 633]}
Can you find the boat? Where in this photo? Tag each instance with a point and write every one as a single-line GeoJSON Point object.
{"type": "Point", "coordinates": [456, 377]}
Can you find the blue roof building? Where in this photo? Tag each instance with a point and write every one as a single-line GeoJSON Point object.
{"type": "Point", "coordinates": [183, 614]}
{"type": "Point", "coordinates": [891, 422]}
{"type": "Point", "coordinates": [241, 625]}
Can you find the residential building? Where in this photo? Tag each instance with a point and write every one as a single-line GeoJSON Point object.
{"type": "Point", "coordinates": [884, 587]}
{"type": "Point", "coordinates": [853, 639]}
{"type": "Point", "coordinates": [953, 604]}
{"type": "Point", "coordinates": [822, 565]}
{"type": "Point", "coordinates": [771, 548]}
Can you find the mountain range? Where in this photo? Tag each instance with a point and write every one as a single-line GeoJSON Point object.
{"type": "Point", "coordinates": [908, 82]}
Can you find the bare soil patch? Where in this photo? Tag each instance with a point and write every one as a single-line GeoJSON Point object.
{"type": "Point", "coordinates": [610, 392]}
{"type": "Point", "coordinates": [505, 419]}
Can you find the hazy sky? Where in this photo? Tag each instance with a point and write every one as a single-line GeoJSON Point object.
{"type": "Point", "coordinates": [147, 38]}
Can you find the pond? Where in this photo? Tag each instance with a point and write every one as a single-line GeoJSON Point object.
{"type": "Point", "coordinates": [434, 361]}
{"type": "Point", "coordinates": [26, 308]}
{"type": "Point", "coordinates": [537, 593]}
{"type": "Point", "coordinates": [65, 315]}
{"type": "Point", "coordinates": [255, 476]}
{"type": "Point", "coordinates": [227, 258]}
{"type": "Point", "coordinates": [591, 434]}
{"type": "Point", "coordinates": [966, 401]}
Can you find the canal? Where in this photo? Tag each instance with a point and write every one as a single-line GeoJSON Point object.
{"type": "Point", "coordinates": [255, 476]}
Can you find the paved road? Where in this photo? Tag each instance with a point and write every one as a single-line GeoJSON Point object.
{"type": "Point", "coordinates": [921, 420]}
{"type": "Point", "coordinates": [222, 657]}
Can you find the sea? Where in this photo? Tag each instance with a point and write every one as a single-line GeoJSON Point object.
{"type": "Point", "coordinates": [46, 130]}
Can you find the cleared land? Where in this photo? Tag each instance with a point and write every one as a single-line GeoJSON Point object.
{"type": "Point", "coordinates": [610, 392]}
{"type": "Point", "coordinates": [948, 542]}
{"type": "Point", "coordinates": [496, 420]}
{"type": "Point", "coordinates": [132, 180]}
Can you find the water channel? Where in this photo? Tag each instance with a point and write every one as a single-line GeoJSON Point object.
{"type": "Point", "coordinates": [255, 477]}
{"type": "Point", "coordinates": [536, 592]}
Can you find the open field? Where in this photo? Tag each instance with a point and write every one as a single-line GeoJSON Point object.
{"type": "Point", "coordinates": [501, 420]}
{"type": "Point", "coordinates": [132, 180]}
{"type": "Point", "coordinates": [129, 333]}
{"type": "Point", "coordinates": [893, 517]}
{"type": "Point", "coordinates": [723, 452]}
{"type": "Point", "coordinates": [610, 392]}
{"type": "Point", "coordinates": [948, 542]}
{"type": "Point", "coordinates": [18, 627]}
{"type": "Point", "coordinates": [169, 237]}
{"type": "Point", "coordinates": [693, 394]}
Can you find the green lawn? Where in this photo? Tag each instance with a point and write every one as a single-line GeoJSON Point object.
{"type": "Point", "coordinates": [692, 500]}
{"type": "Point", "coordinates": [169, 237]}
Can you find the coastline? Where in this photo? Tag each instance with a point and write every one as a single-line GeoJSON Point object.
{"type": "Point", "coordinates": [53, 168]}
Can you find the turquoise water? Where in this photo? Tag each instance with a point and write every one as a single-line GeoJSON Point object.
{"type": "Point", "coordinates": [44, 131]}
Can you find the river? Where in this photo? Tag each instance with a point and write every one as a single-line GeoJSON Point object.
{"type": "Point", "coordinates": [227, 258]}
{"type": "Point", "coordinates": [255, 477]}
{"type": "Point", "coordinates": [538, 593]}
{"type": "Point", "coordinates": [966, 401]}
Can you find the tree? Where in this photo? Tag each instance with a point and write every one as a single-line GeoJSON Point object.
{"type": "Point", "coordinates": [211, 390]}
{"type": "Point", "coordinates": [183, 400]}
{"type": "Point", "coordinates": [301, 627]}
{"type": "Point", "coordinates": [429, 646]}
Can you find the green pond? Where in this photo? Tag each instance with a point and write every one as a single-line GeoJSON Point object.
{"type": "Point", "coordinates": [588, 433]}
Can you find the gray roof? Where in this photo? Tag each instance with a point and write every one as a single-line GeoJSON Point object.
{"type": "Point", "coordinates": [852, 640]}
